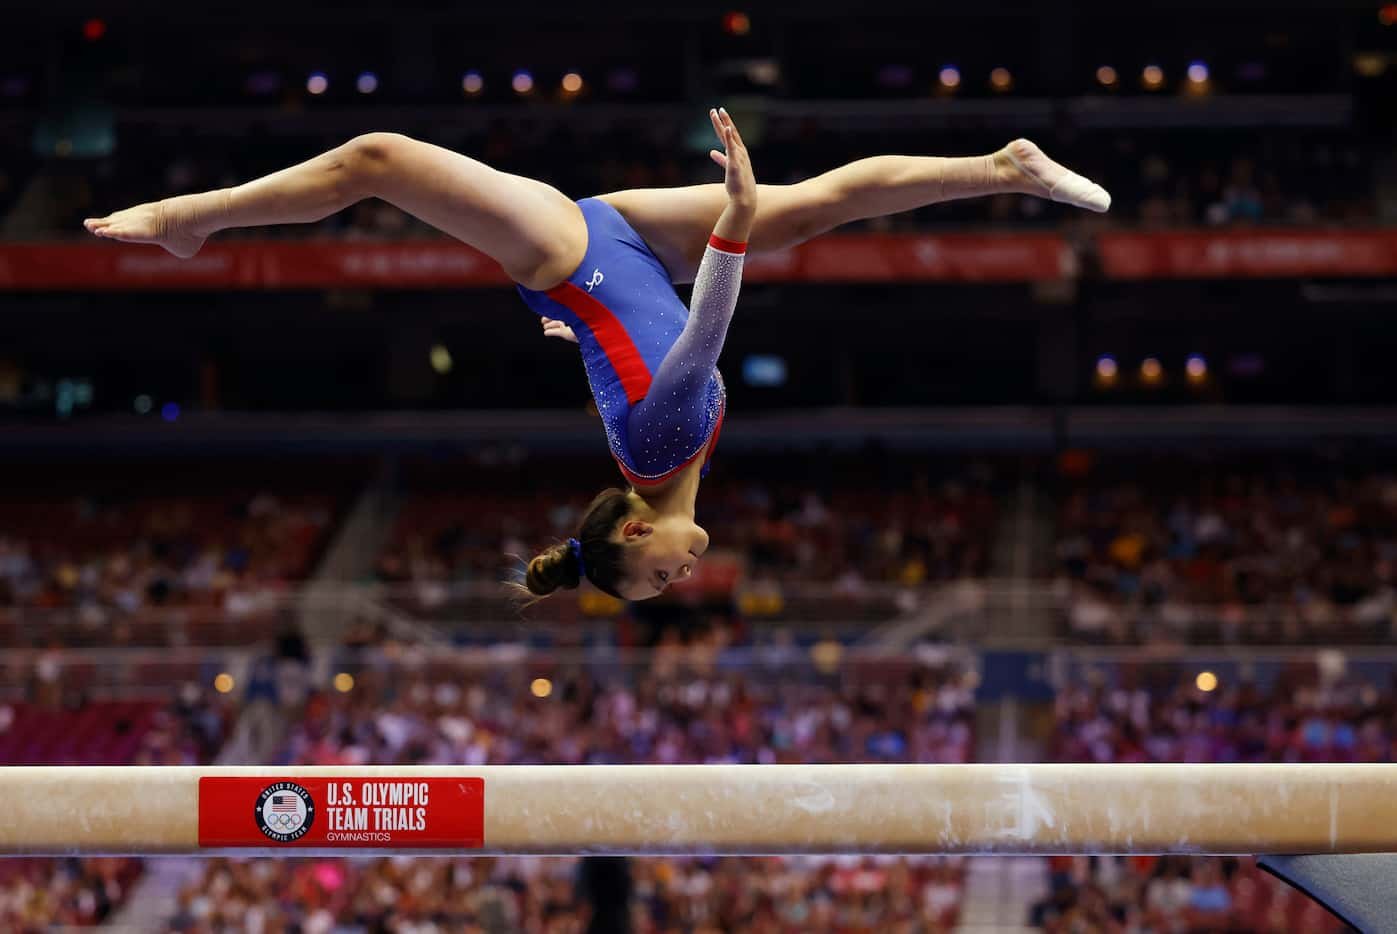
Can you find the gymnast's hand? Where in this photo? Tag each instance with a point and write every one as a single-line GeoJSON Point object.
{"type": "Point", "coordinates": [740, 183]}
{"type": "Point", "coordinates": [555, 328]}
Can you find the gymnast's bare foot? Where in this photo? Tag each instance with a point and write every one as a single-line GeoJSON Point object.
{"type": "Point", "coordinates": [157, 222]}
{"type": "Point", "coordinates": [1024, 168]}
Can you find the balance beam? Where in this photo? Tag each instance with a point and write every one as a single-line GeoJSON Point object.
{"type": "Point", "coordinates": [699, 809]}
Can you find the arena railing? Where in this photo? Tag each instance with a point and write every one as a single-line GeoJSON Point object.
{"type": "Point", "coordinates": [116, 673]}
{"type": "Point", "coordinates": [245, 675]}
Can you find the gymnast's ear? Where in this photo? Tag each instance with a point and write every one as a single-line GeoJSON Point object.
{"type": "Point", "coordinates": [634, 530]}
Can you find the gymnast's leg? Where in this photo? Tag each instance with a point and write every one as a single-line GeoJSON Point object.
{"type": "Point", "coordinates": [531, 229]}
{"type": "Point", "coordinates": [675, 221]}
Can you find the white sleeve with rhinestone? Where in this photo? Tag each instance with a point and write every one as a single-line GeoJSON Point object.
{"type": "Point", "coordinates": [672, 420]}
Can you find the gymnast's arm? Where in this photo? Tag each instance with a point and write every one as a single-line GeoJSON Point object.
{"type": "Point", "coordinates": [679, 387]}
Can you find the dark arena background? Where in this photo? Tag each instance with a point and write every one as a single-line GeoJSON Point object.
{"type": "Point", "coordinates": [1002, 481]}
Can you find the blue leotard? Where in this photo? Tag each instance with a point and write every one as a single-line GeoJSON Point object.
{"type": "Point", "coordinates": [651, 362]}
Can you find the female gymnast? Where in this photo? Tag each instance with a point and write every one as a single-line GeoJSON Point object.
{"type": "Point", "coordinates": [600, 271]}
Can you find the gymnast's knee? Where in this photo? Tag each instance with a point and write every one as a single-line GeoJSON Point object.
{"type": "Point", "coordinates": [369, 157]}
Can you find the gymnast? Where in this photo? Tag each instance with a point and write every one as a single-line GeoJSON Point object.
{"type": "Point", "coordinates": [600, 272]}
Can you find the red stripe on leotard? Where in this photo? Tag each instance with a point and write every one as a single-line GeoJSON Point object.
{"type": "Point", "coordinates": [615, 342]}
{"type": "Point", "coordinates": [717, 430]}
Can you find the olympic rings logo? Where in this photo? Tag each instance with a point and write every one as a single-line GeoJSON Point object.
{"type": "Point", "coordinates": [285, 811]}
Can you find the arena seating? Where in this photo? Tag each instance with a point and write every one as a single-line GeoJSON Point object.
{"type": "Point", "coordinates": [51, 894]}
{"type": "Point", "coordinates": [182, 554]}
{"type": "Point", "coordinates": [462, 526]}
{"type": "Point", "coordinates": [909, 712]}
{"type": "Point", "coordinates": [1297, 718]}
{"type": "Point", "coordinates": [1229, 550]}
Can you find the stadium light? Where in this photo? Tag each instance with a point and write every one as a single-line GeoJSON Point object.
{"type": "Point", "coordinates": [1001, 80]}
{"type": "Point", "coordinates": [440, 358]}
{"type": "Point", "coordinates": [1151, 371]}
{"type": "Point", "coordinates": [1198, 72]}
{"type": "Point", "coordinates": [522, 82]}
{"type": "Point", "coordinates": [1106, 370]}
{"type": "Point", "coordinates": [1107, 76]}
{"type": "Point", "coordinates": [949, 76]}
{"type": "Point", "coordinates": [762, 71]}
{"type": "Point", "coordinates": [1152, 77]}
{"type": "Point", "coordinates": [317, 83]}
{"type": "Point", "coordinates": [367, 83]}
{"type": "Point", "coordinates": [1370, 64]}
{"type": "Point", "coordinates": [572, 83]}
{"type": "Point", "coordinates": [472, 82]}
{"type": "Point", "coordinates": [1197, 369]}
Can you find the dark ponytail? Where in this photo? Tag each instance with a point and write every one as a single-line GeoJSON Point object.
{"type": "Point", "coordinates": [558, 567]}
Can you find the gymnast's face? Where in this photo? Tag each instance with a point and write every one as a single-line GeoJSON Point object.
{"type": "Point", "coordinates": [659, 553]}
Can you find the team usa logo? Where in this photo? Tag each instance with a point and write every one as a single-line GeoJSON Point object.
{"type": "Point", "coordinates": [285, 812]}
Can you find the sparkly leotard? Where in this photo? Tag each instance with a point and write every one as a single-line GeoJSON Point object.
{"type": "Point", "coordinates": [651, 362]}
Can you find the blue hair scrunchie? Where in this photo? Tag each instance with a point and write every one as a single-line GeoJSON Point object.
{"type": "Point", "coordinates": [576, 547]}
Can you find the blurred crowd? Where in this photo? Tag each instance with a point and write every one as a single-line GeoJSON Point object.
{"type": "Point", "coordinates": [856, 529]}
{"type": "Point", "coordinates": [533, 895]}
{"type": "Point", "coordinates": [666, 715]}
{"type": "Point", "coordinates": [1211, 551]}
{"type": "Point", "coordinates": [1348, 720]}
{"type": "Point", "coordinates": [1230, 553]}
{"type": "Point", "coordinates": [55, 726]}
{"type": "Point", "coordinates": [1176, 180]}
{"type": "Point", "coordinates": [909, 713]}
{"type": "Point", "coordinates": [108, 563]}
{"type": "Point", "coordinates": [1186, 894]}
{"type": "Point", "coordinates": [40, 895]}
{"type": "Point", "coordinates": [1296, 719]}
{"type": "Point", "coordinates": [1188, 178]}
